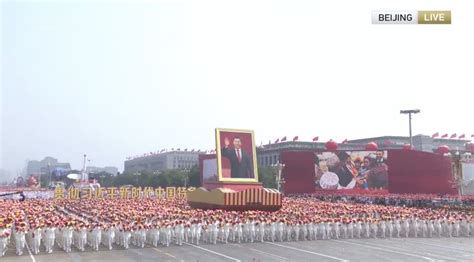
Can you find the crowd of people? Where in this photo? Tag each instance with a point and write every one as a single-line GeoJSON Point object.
{"type": "Point", "coordinates": [44, 224]}
{"type": "Point", "coordinates": [29, 193]}
{"type": "Point", "coordinates": [384, 198]}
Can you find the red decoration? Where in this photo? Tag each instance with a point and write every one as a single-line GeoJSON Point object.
{"type": "Point", "coordinates": [331, 145]}
{"type": "Point", "coordinates": [407, 147]}
{"type": "Point", "coordinates": [470, 147]}
{"type": "Point", "coordinates": [372, 146]}
{"type": "Point", "coordinates": [444, 149]}
{"type": "Point", "coordinates": [33, 181]}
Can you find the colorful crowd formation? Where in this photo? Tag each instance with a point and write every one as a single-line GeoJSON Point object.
{"type": "Point", "coordinates": [44, 225]}
{"type": "Point", "coordinates": [382, 197]}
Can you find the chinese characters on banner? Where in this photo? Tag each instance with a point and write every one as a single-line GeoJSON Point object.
{"type": "Point", "coordinates": [121, 192]}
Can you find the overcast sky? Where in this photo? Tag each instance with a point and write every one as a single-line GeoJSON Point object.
{"type": "Point", "coordinates": [116, 79]}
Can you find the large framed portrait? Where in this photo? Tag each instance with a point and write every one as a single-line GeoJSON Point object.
{"type": "Point", "coordinates": [236, 155]}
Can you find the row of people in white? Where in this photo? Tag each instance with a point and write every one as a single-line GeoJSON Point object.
{"type": "Point", "coordinates": [249, 231]}
{"type": "Point", "coordinates": [4, 241]}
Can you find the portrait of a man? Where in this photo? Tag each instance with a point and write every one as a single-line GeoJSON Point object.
{"type": "Point", "coordinates": [236, 154]}
{"type": "Point", "coordinates": [240, 163]}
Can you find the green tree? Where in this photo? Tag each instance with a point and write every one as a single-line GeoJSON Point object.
{"type": "Point", "coordinates": [124, 179]}
{"type": "Point", "coordinates": [267, 176]}
{"type": "Point", "coordinates": [143, 179]}
{"type": "Point", "coordinates": [194, 177]}
{"type": "Point", "coordinates": [163, 180]}
{"type": "Point", "coordinates": [43, 180]}
{"type": "Point", "coordinates": [105, 179]}
{"type": "Point", "coordinates": [173, 177]}
{"type": "Point", "coordinates": [154, 181]}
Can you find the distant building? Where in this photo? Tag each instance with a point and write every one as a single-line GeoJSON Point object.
{"type": "Point", "coordinates": [108, 169]}
{"type": "Point", "coordinates": [420, 142]}
{"type": "Point", "coordinates": [268, 155]}
{"type": "Point", "coordinates": [35, 167]}
{"type": "Point", "coordinates": [162, 161]}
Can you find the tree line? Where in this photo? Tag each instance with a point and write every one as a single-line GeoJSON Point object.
{"type": "Point", "coordinates": [166, 178]}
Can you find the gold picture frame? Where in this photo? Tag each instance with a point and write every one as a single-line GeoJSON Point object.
{"type": "Point", "coordinates": [219, 156]}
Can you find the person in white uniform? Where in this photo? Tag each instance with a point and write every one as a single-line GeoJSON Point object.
{"type": "Point", "coordinates": [4, 240]}
{"type": "Point", "coordinates": [19, 236]}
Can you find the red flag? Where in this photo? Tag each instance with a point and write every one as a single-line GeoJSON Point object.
{"type": "Point", "coordinates": [295, 138]}
{"type": "Point", "coordinates": [462, 136]}
{"type": "Point", "coordinates": [283, 139]}
{"type": "Point", "coordinates": [444, 136]}
{"type": "Point", "coordinates": [387, 142]}
{"type": "Point", "coordinates": [276, 141]}
{"type": "Point", "coordinates": [316, 138]}
{"type": "Point", "coordinates": [435, 135]}
{"type": "Point", "coordinates": [345, 141]}
{"type": "Point", "coordinates": [453, 135]}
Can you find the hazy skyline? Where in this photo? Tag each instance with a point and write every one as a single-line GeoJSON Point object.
{"type": "Point", "coordinates": [117, 79]}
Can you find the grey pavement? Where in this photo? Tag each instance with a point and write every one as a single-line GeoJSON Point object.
{"type": "Point", "coordinates": [410, 249]}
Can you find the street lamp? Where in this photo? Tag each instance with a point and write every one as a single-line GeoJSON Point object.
{"type": "Point", "coordinates": [186, 171]}
{"type": "Point", "coordinates": [457, 173]}
{"type": "Point", "coordinates": [410, 112]}
{"type": "Point", "coordinates": [279, 180]}
{"type": "Point", "coordinates": [49, 175]}
{"type": "Point", "coordinates": [85, 176]}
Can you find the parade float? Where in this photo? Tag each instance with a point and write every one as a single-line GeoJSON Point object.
{"type": "Point", "coordinates": [229, 177]}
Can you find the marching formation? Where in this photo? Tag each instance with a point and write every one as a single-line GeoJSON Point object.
{"type": "Point", "coordinates": [382, 197]}
{"type": "Point", "coordinates": [42, 225]}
